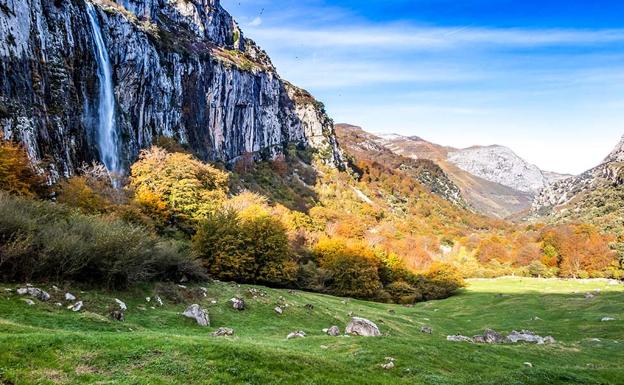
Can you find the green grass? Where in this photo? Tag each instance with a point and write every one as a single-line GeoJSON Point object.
{"type": "Point", "coordinates": [45, 344]}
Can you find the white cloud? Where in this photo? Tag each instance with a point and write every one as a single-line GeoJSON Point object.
{"type": "Point", "coordinates": [257, 21]}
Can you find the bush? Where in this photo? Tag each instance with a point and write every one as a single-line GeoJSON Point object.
{"type": "Point", "coordinates": [441, 281]}
{"type": "Point", "coordinates": [250, 249]}
{"type": "Point", "coordinates": [353, 269]}
{"type": "Point", "coordinates": [45, 241]}
{"type": "Point", "coordinates": [403, 293]}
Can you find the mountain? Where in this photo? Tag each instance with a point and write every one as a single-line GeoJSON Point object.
{"type": "Point", "coordinates": [365, 146]}
{"type": "Point", "coordinates": [576, 195]}
{"type": "Point", "coordinates": [480, 174]}
{"type": "Point", "coordinates": [98, 80]}
{"type": "Point", "coordinates": [501, 165]}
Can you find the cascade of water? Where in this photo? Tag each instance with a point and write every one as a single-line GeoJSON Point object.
{"type": "Point", "coordinates": [107, 136]}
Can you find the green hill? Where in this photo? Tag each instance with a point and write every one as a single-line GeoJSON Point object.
{"type": "Point", "coordinates": [48, 344]}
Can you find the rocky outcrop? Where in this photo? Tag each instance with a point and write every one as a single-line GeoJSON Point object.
{"type": "Point", "coordinates": [198, 314]}
{"type": "Point", "coordinates": [180, 69]}
{"type": "Point", "coordinates": [609, 173]}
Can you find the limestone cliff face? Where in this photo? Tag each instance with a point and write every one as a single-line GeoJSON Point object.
{"type": "Point", "coordinates": [180, 68]}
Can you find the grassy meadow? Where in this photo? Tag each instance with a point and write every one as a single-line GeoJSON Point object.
{"type": "Point", "coordinates": [48, 344]}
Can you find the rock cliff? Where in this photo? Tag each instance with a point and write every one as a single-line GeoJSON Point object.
{"type": "Point", "coordinates": [179, 68]}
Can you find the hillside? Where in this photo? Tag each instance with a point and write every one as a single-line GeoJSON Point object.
{"type": "Point", "coordinates": [485, 196]}
{"type": "Point", "coordinates": [46, 344]}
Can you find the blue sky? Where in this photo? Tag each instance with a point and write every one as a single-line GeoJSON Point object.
{"type": "Point", "coordinates": [545, 78]}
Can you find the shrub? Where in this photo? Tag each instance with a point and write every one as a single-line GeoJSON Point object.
{"type": "Point", "coordinates": [45, 241]}
{"type": "Point", "coordinates": [403, 293]}
{"type": "Point", "coordinates": [442, 281]}
{"type": "Point", "coordinates": [17, 175]}
{"type": "Point", "coordinates": [250, 249]}
{"type": "Point", "coordinates": [353, 269]}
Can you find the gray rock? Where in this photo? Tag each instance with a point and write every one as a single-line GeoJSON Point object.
{"type": "Point", "coordinates": [29, 302]}
{"type": "Point", "coordinates": [333, 331]}
{"type": "Point", "coordinates": [76, 307]}
{"type": "Point", "coordinates": [278, 310]}
{"type": "Point", "coordinates": [362, 327]}
{"type": "Point", "coordinates": [158, 300]}
{"type": "Point", "coordinates": [296, 334]}
{"type": "Point", "coordinates": [223, 332]}
{"type": "Point", "coordinates": [238, 303]}
{"type": "Point", "coordinates": [34, 292]}
{"type": "Point", "coordinates": [118, 315]}
{"type": "Point", "coordinates": [607, 319]}
{"type": "Point", "coordinates": [458, 338]}
{"type": "Point", "coordinates": [589, 295]}
{"type": "Point", "coordinates": [388, 365]}
{"type": "Point", "coordinates": [198, 314]}
{"type": "Point", "coordinates": [70, 297]}
{"type": "Point", "coordinates": [492, 337]}
{"type": "Point", "coordinates": [121, 304]}
{"type": "Point", "coordinates": [529, 337]}
{"type": "Point", "coordinates": [528, 364]}
{"type": "Point", "coordinates": [426, 329]}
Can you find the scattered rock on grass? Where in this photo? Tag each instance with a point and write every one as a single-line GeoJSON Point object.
{"type": "Point", "coordinates": [297, 334]}
{"type": "Point", "coordinates": [362, 327]}
{"type": "Point", "coordinates": [70, 297]}
{"type": "Point", "coordinates": [223, 332]}
{"type": "Point", "coordinates": [29, 302]}
{"type": "Point", "coordinates": [238, 303]}
{"type": "Point", "coordinates": [198, 314]}
{"type": "Point", "coordinates": [158, 300]}
{"type": "Point", "coordinates": [589, 295]}
{"type": "Point", "coordinates": [278, 310]}
{"type": "Point", "coordinates": [528, 336]}
{"type": "Point", "coordinates": [389, 364]}
{"type": "Point", "coordinates": [333, 331]}
{"type": "Point", "coordinates": [528, 364]}
{"type": "Point", "coordinates": [121, 304]}
{"type": "Point", "coordinates": [118, 315]}
{"type": "Point", "coordinates": [426, 329]}
{"type": "Point", "coordinates": [76, 307]}
{"type": "Point", "coordinates": [34, 292]}
{"type": "Point", "coordinates": [607, 319]}
{"type": "Point", "coordinates": [458, 338]}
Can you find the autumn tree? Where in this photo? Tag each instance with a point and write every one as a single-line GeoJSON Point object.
{"type": "Point", "coordinates": [17, 174]}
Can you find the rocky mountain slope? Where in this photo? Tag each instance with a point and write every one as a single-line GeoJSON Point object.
{"type": "Point", "coordinates": [501, 165]}
{"type": "Point", "coordinates": [570, 193]}
{"type": "Point", "coordinates": [140, 69]}
{"type": "Point", "coordinates": [363, 145]}
{"type": "Point", "coordinates": [479, 188]}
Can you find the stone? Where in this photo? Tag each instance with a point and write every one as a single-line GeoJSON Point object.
{"type": "Point", "coordinates": [388, 365]}
{"type": "Point", "coordinates": [528, 336]}
{"type": "Point", "coordinates": [223, 332]}
{"type": "Point", "coordinates": [34, 292]}
{"type": "Point", "coordinates": [362, 327]}
{"type": "Point", "coordinates": [458, 338]}
{"type": "Point", "coordinates": [198, 314]}
{"type": "Point", "coordinates": [76, 307]}
{"type": "Point", "coordinates": [148, 299]}
{"type": "Point", "coordinates": [70, 297]}
{"type": "Point", "coordinates": [117, 315]}
{"type": "Point", "coordinates": [607, 319]}
{"type": "Point", "coordinates": [158, 300]}
{"type": "Point", "coordinates": [121, 304]}
{"type": "Point", "coordinates": [296, 334]}
{"type": "Point", "coordinates": [528, 364]}
{"type": "Point", "coordinates": [278, 310]}
{"type": "Point", "coordinates": [29, 302]}
{"type": "Point", "coordinates": [426, 329]}
{"type": "Point", "coordinates": [589, 295]}
{"type": "Point", "coordinates": [238, 303]}
{"type": "Point", "coordinates": [58, 304]}
{"type": "Point", "coordinates": [309, 307]}
{"type": "Point", "coordinates": [492, 337]}
{"type": "Point", "coordinates": [333, 331]}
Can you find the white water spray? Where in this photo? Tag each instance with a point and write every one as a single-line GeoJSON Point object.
{"type": "Point", "coordinates": [108, 140]}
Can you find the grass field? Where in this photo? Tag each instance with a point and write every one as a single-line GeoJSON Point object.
{"type": "Point", "coordinates": [47, 344]}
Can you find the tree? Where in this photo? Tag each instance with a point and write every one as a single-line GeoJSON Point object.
{"type": "Point", "coordinates": [353, 268]}
{"type": "Point", "coordinates": [253, 249]}
{"type": "Point", "coordinates": [188, 186]}
{"type": "Point", "coordinates": [17, 174]}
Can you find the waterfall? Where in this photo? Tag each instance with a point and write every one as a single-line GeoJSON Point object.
{"type": "Point", "coordinates": [107, 136]}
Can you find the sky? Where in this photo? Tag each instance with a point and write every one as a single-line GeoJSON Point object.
{"type": "Point", "coordinates": [545, 78]}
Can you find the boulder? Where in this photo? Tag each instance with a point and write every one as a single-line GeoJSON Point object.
{"type": "Point", "coordinates": [76, 307]}
{"type": "Point", "coordinates": [121, 304]}
{"type": "Point", "coordinates": [296, 334]}
{"type": "Point", "coordinates": [492, 337]}
{"type": "Point", "coordinates": [223, 332]}
{"type": "Point", "coordinates": [527, 336]}
{"type": "Point", "coordinates": [278, 310]}
{"type": "Point", "coordinates": [426, 329]}
{"type": "Point", "coordinates": [458, 338]}
{"type": "Point", "coordinates": [34, 292]}
{"type": "Point", "coordinates": [238, 303]}
{"type": "Point", "coordinates": [362, 327]}
{"type": "Point", "coordinates": [198, 314]}
{"type": "Point", "coordinates": [388, 365]}
{"type": "Point", "coordinates": [70, 297]}
{"type": "Point", "coordinates": [333, 331]}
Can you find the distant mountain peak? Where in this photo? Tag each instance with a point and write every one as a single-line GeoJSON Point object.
{"type": "Point", "coordinates": [617, 155]}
